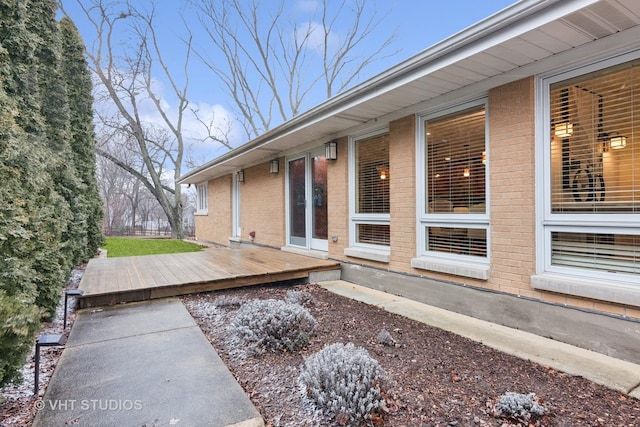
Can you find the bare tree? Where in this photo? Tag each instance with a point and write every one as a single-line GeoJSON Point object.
{"type": "Point", "coordinates": [273, 62]}
{"type": "Point", "coordinates": [127, 74]}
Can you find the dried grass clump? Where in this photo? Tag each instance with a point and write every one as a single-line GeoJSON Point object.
{"type": "Point", "coordinates": [343, 382]}
{"type": "Point", "coordinates": [272, 324]}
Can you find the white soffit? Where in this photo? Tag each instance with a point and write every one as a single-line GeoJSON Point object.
{"type": "Point", "coordinates": [521, 35]}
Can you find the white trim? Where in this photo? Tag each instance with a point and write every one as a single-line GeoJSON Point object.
{"type": "Point", "coordinates": [612, 287]}
{"type": "Point", "coordinates": [456, 267]}
{"type": "Point", "coordinates": [604, 290]}
{"type": "Point", "coordinates": [438, 261]}
{"type": "Point", "coordinates": [236, 229]}
{"type": "Point", "coordinates": [202, 199]}
{"type": "Point", "coordinates": [355, 249]}
{"type": "Point", "coordinates": [311, 243]}
{"type": "Point", "coordinates": [368, 253]}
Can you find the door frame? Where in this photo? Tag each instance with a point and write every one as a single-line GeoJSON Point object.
{"type": "Point", "coordinates": [310, 242]}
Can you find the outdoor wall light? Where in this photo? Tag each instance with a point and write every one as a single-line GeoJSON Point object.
{"type": "Point", "coordinates": [564, 129]}
{"type": "Point", "coordinates": [331, 150]}
{"type": "Point", "coordinates": [274, 166]}
{"type": "Point", "coordinates": [241, 175]}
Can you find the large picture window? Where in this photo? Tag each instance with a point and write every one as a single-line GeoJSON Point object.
{"type": "Point", "coordinates": [370, 217]}
{"type": "Point", "coordinates": [454, 221]}
{"type": "Point", "coordinates": [591, 195]}
{"type": "Point", "coordinates": [595, 171]}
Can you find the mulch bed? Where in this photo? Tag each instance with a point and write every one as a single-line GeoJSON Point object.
{"type": "Point", "coordinates": [435, 378]}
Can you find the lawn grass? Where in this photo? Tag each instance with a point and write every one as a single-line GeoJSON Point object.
{"type": "Point", "coordinates": [131, 246]}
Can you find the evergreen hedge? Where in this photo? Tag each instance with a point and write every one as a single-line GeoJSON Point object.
{"type": "Point", "coordinates": [50, 210]}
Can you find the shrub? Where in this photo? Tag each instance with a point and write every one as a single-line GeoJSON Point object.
{"type": "Point", "coordinates": [343, 381]}
{"type": "Point", "coordinates": [227, 301]}
{"type": "Point", "coordinates": [518, 406]}
{"type": "Point", "coordinates": [298, 297]}
{"type": "Point", "coordinates": [273, 324]}
{"type": "Point", "coordinates": [385, 338]}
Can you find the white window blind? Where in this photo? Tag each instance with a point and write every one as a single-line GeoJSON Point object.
{"type": "Point", "coordinates": [595, 163]}
{"type": "Point", "coordinates": [202, 198]}
{"type": "Point", "coordinates": [595, 170]}
{"type": "Point", "coordinates": [597, 252]}
{"type": "Point", "coordinates": [455, 182]}
{"type": "Point", "coordinates": [456, 160]}
{"type": "Point", "coordinates": [372, 175]}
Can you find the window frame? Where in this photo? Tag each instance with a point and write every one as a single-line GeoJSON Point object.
{"type": "Point", "coordinates": [459, 264]}
{"type": "Point", "coordinates": [357, 249]}
{"type": "Point", "coordinates": [202, 199]}
{"type": "Point", "coordinates": [613, 287]}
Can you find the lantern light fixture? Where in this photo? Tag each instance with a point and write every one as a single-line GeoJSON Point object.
{"type": "Point", "coordinates": [331, 150]}
{"type": "Point", "coordinates": [274, 166]}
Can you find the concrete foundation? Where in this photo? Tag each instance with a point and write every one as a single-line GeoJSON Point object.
{"type": "Point", "coordinates": [613, 336]}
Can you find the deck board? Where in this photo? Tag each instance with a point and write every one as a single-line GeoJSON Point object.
{"type": "Point", "coordinates": [108, 281]}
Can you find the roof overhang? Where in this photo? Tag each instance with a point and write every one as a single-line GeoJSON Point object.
{"type": "Point", "coordinates": [524, 39]}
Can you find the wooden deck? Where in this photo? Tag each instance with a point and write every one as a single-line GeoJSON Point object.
{"type": "Point", "coordinates": [109, 281]}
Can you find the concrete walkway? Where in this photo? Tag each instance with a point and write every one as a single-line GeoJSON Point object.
{"type": "Point", "coordinates": [148, 364]}
{"type": "Point", "coordinates": [608, 371]}
{"type": "Point", "coordinates": [145, 364]}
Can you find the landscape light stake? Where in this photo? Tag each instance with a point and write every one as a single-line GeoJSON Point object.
{"type": "Point", "coordinates": [67, 294]}
{"type": "Point", "coordinates": [46, 340]}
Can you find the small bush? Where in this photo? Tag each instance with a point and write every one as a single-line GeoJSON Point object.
{"type": "Point", "coordinates": [343, 382]}
{"type": "Point", "coordinates": [518, 406]}
{"type": "Point", "coordinates": [385, 338]}
{"type": "Point", "coordinates": [273, 324]}
{"type": "Point", "coordinates": [227, 301]}
{"type": "Point", "coordinates": [298, 297]}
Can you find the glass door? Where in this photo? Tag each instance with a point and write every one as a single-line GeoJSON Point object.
{"type": "Point", "coordinates": [297, 202]}
{"type": "Point", "coordinates": [307, 201]}
{"type": "Point", "coordinates": [319, 210]}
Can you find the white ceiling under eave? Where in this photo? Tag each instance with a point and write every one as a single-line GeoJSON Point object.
{"type": "Point", "coordinates": [526, 38]}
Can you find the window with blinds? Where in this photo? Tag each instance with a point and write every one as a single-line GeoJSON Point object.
{"type": "Point", "coordinates": [455, 182]}
{"type": "Point", "coordinates": [611, 253]}
{"type": "Point", "coordinates": [456, 160]}
{"type": "Point", "coordinates": [372, 175]}
{"type": "Point", "coordinates": [595, 170]}
{"type": "Point", "coordinates": [595, 164]}
{"type": "Point", "coordinates": [202, 199]}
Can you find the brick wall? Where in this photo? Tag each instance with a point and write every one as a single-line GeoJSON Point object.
{"type": "Point", "coordinates": [512, 187]}
{"type": "Point", "coordinates": [262, 205]}
{"type": "Point", "coordinates": [402, 189]}
{"type": "Point", "coordinates": [338, 200]}
{"type": "Point", "coordinates": [216, 225]}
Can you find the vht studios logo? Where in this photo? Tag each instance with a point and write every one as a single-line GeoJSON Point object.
{"type": "Point", "coordinates": [89, 405]}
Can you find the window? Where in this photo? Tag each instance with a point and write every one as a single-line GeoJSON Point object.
{"type": "Point", "coordinates": [592, 175]}
{"type": "Point", "coordinates": [370, 189]}
{"type": "Point", "coordinates": [202, 199]}
{"type": "Point", "coordinates": [454, 220]}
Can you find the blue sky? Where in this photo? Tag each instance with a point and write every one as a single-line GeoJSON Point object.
{"type": "Point", "coordinates": [416, 24]}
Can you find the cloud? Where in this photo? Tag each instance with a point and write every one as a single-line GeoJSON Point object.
{"type": "Point", "coordinates": [201, 122]}
{"type": "Point", "coordinates": [314, 31]}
